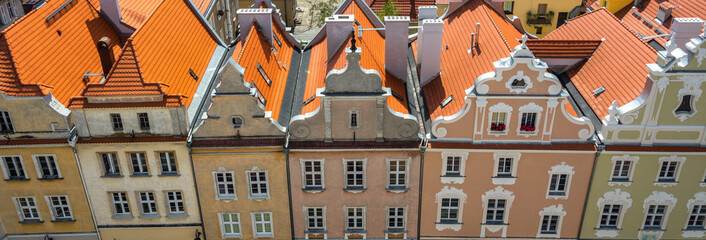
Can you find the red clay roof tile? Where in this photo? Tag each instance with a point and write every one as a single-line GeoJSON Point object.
{"type": "Point", "coordinates": [562, 48]}
{"type": "Point", "coordinates": [641, 18]}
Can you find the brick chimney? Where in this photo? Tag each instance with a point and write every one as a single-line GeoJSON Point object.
{"type": "Point", "coordinates": [338, 29]}
{"type": "Point", "coordinates": [426, 12]}
{"type": "Point", "coordinates": [684, 29]}
{"type": "Point", "coordinates": [263, 17]}
{"type": "Point", "coordinates": [396, 42]}
{"type": "Point", "coordinates": [429, 49]}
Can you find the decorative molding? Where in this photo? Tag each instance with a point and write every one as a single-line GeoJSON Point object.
{"type": "Point", "coordinates": [561, 169]}
{"type": "Point", "coordinates": [445, 178]}
{"type": "Point", "coordinates": [672, 158]}
{"type": "Point", "coordinates": [633, 163]}
{"type": "Point", "coordinates": [553, 210]}
{"type": "Point", "coordinates": [450, 192]}
{"type": "Point", "coordinates": [531, 107]}
{"type": "Point", "coordinates": [521, 77]}
{"type": "Point", "coordinates": [500, 107]}
{"type": "Point", "coordinates": [692, 86]}
{"type": "Point", "coordinates": [660, 198]}
{"type": "Point", "coordinates": [606, 233]}
{"type": "Point", "coordinates": [616, 196]}
{"type": "Point", "coordinates": [662, 83]}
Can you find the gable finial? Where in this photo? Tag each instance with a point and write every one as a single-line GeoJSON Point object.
{"type": "Point", "coordinates": [353, 48]}
{"type": "Point", "coordinates": [524, 41]}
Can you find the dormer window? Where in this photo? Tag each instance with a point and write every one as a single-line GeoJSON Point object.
{"type": "Point", "coordinates": [528, 123]}
{"type": "Point", "coordinates": [497, 122]}
{"type": "Point", "coordinates": [117, 121]}
{"type": "Point", "coordinates": [353, 122]}
{"type": "Point", "coordinates": [6, 123]}
{"type": "Point", "coordinates": [236, 121]}
{"type": "Point", "coordinates": [685, 105]}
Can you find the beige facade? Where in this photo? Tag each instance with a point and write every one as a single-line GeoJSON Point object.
{"type": "Point", "coordinates": [222, 18]}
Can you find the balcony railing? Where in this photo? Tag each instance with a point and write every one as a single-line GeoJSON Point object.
{"type": "Point", "coordinates": [539, 19]}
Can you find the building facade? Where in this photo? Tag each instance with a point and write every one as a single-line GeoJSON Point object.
{"type": "Point", "coordinates": [540, 17]}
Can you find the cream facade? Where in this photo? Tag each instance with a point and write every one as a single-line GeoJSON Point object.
{"type": "Point", "coordinates": [540, 17]}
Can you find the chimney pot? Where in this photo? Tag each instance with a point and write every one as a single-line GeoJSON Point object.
{"type": "Point", "coordinates": [429, 49]}
{"type": "Point", "coordinates": [684, 29]}
{"type": "Point", "coordinates": [396, 41]}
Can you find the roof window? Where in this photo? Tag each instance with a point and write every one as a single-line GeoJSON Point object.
{"type": "Point", "coordinates": [447, 101]}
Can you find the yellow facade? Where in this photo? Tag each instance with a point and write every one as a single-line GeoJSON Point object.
{"type": "Point", "coordinates": [540, 17]}
{"type": "Point", "coordinates": [239, 161]}
{"type": "Point", "coordinates": [614, 5]}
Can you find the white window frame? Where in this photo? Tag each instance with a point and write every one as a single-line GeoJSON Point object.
{"type": "Point", "coordinates": [140, 121]}
{"type": "Point", "coordinates": [505, 180]}
{"type": "Point", "coordinates": [7, 121]}
{"type": "Point", "coordinates": [174, 169]}
{"type": "Point", "coordinates": [693, 232]}
{"type": "Point", "coordinates": [307, 218]}
{"type": "Point", "coordinates": [264, 222]}
{"type": "Point", "coordinates": [114, 122]}
{"type": "Point", "coordinates": [113, 162]}
{"type": "Point", "coordinates": [52, 208]}
{"type": "Point", "coordinates": [364, 177]}
{"type": "Point", "coordinates": [388, 217]}
{"type": "Point", "coordinates": [219, 196]}
{"type": "Point", "coordinates": [633, 164]}
{"type": "Point", "coordinates": [615, 197]}
{"type": "Point", "coordinates": [530, 108]}
{"type": "Point", "coordinates": [350, 118]}
{"type": "Point", "coordinates": [237, 223]}
{"type": "Point", "coordinates": [561, 169]}
{"type": "Point", "coordinates": [6, 170]}
{"type": "Point", "coordinates": [152, 202]}
{"type": "Point", "coordinates": [553, 210]}
{"type": "Point", "coordinates": [176, 202]}
{"type": "Point", "coordinates": [20, 208]}
{"type": "Point", "coordinates": [453, 179]}
{"type": "Point", "coordinates": [450, 192]}
{"type": "Point", "coordinates": [652, 215]}
{"type": "Point", "coordinates": [258, 171]}
{"type": "Point", "coordinates": [313, 188]}
{"type": "Point", "coordinates": [145, 170]}
{"type": "Point", "coordinates": [499, 108]}
{"type": "Point", "coordinates": [348, 217]}
{"type": "Point", "coordinates": [124, 203]}
{"type": "Point", "coordinates": [38, 166]}
{"type": "Point", "coordinates": [498, 193]}
{"type": "Point", "coordinates": [398, 188]}
{"type": "Point", "coordinates": [673, 158]}
{"type": "Point", "coordinates": [657, 198]}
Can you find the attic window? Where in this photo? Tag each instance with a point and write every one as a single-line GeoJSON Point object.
{"type": "Point", "coordinates": [309, 100]}
{"type": "Point", "coordinates": [264, 75]}
{"type": "Point", "coordinates": [279, 43]}
{"type": "Point", "coordinates": [518, 83]}
{"type": "Point", "coordinates": [598, 91]}
{"type": "Point", "coordinates": [398, 96]}
{"type": "Point", "coordinates": [236, 121]}
{"type": "Point", "coordinates": [193, 75]}
{"type": "Point", "coordinates": [447, 101]}
{"type": "Point", "coordinates": [259, 96]}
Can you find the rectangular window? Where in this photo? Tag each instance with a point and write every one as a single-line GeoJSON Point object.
{"type": "Point", "coordinates": [497, 122]}
{"type": "Point", "coordinates": [315, 218]}
{"type": "Point", "coordinates": [668, 171]}
{"type": "Point", "coordinates": [504, 167]}
{"type": "Point", "coordinates": [117, 121]}
{"type": "Point", "coordinates": [621, 171]}
{"type": "Point", "coordinates": [263, 225]}
{"type": "Point", "coordinates": [175, 203]}
{"type": "Point", "coordinates": [610, 216]}
{"type": "Point", "coordinates": [60, 208]}
{"type": "Point", "coordinates": [395, 219]}
{"type": "Point", "coordinates": [528, 122]}
{"type": "Point", "coordinates": [121, 208]}
{"type": "Point", "coordinates": [508, 7]}
{"type": "Point", "coordinates": [539, 30]}
{"type": "Point", "coordinates": [14, 169]}
{"type": "Point", "coordinates": [655, 214]}
{"type": "Point", "coordinates": [6, 123]}
{"type": "Point", "coordinates": [10, 11]}
{"type": "Point", "coordinates": [144, 121]}
{"type": "Point", "coordinates": [225, 186]}
{"type": "Point", "coordinates": [168, 162]}
{"type": "Point", "coordinates": [110, 164]}
{"type": "Point", "coordinates": [398, 174]}
{"type": "Point", "coordinates": [28, 209]}
{"type": "Point", "coordinates": [354, 218]}
{"type": "Point", "coordinates": [453, 166]}
{"type": "Point", "coordinates": [449, 210]}
{"type": "Point", "coordinates": [139, 164]}
{"type": "Point", "coordinates": [230, 225]}
{"type": "Point", "coordinates": [549, 224]}
{"type": "Point", "coordinates": [279, 43]}
{"type": "Point", "coordinates": [47, 167]}
{"type": "Point", "coordinates": [697, 217]}
{"type": "Point", "coordinates": [557, 184]}
{"type": "Point", "coordinates": [354, 119]}
{"type": "Point", "coordinates": [354, 174]}
{"type": "Point", "coordinates": [264, 75]}
{"type": "Point", "coordinates": [495, 214]}
{"type": "Point", "coordinates": [258, 184]}
{"type": "Point", "coordinates": [147, 204]}
{"type": "Point", "coordinates": [313, 174]}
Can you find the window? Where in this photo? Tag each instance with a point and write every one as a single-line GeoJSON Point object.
{"type": "Point", "coordinates": [354, 174]}
{"type": "Point", "coordinates": [261, 98]}
{"type": "Point", "coordinates": [621, 171]}
{"type": "Point", "coordinates": [60, 208]}
{"type": "Point", "coordinates": [395, 219]}
{"type": "Point", "coordinates": [139, 164]}
{"type": "Point", "coordinates": [225, 186]}
{"type": "Point", "coordinates": [539, 30]}
{"type": "Point", "coordinates": [10, 10]}
{"type": "Point", "coordinates": [449, 210]}
{"type": "Point", "coordinates": [279, 43]}
{"type": "Point", "coordinates": [518, 83]}
{"type": "Point", "coordinates": [262, 224]}
{"type": "Point", "coordinates": [13, 168]}
{"type": "Point", "coordinates": [258, 184]}
{"type": "Point", "coordinates": [453, 166]}
{"type": "Point", "coordinates": [6, 123]}
{"type": "Point", "coordinates": [264, 74]}
{"type": "Point", "coordinates": [685, 105]}
{"type": "Point", "coordinates": [355, 218]}
{"type": "Point", "coordinates": [121, 208]}
{"type": "Point", "coordinates": [397, 174]}
{"type": "Point", "coordinates": [697, 217]}
{"type": "Point", "coordinates": [353, 119]}
{"type": "Point", "coordinates": [610, 216]}
{"type": "Point", "coordinates": [168, 161]}
{"type": "Point", "coordinates": [230, 225]}
{"type": "Point", "coordinates": [495, 213]}
{"type": "Point", "coordinates": [527, 125]}
{"type": "Point", "coordinates": [110, 164]}
{"type": "Point", "coordinates": [654, 216]}
{"type": "Point", "coordinates": [144, 121]}
{"type": "Point", "coordinates": [47, 167]}
{"type": "Point", "coordinates": [313, 174]}
{"type": "Point", "coordinates": [236, 121]}
{"type": "Point", "coordinates": [117, 121]}
{"type": "Point", "coordinates": [668, 171]}
{"type": "Point", "coordinates": [557, 184]}
{"type": "Point", "coordinates": [148, 207]}
{"type": "Point", "coordinates": [504, 167]}
{"type": "Point", "coordinates": [175, 203]}
{"type": "Point", "coordinates": [27, 208]}
{"type": "Point", "coordinates": [315, 219]}
{"type": "Point", "coordinates": [497, 122]}
{"type": "Point", "coordinates": [549, 224]}
{"type": "Point", "coordinates": [508, 6]}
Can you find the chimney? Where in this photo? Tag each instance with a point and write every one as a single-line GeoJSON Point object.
{"type": "Point", "coordinates": [338, 29]}
{"type": "Point", "coordinates": [453, 4]}
{"type": "Point", "coordinates": [111, 10]}
{"type": "Point", "coordinates": [396, 42]}
{"type": "Point", "coordinates": [263, 17]}
{"type": "Point", "coordinates": [426, 12]}
{"type": "Point", "coordinates": [429, 49]}
{"type": "Point", "coordinates": [684, 29]}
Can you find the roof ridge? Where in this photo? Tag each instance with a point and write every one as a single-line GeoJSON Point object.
{"type": "Point", "coordinates": [496, 27]}
{"type": "Point", "coordinates": [629, 29]}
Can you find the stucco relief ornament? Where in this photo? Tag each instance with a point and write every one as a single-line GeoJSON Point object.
{"type": "Point", "coordinates": [300, 130]}
{"type": "Point", "coordinates": [700, 57]}
{"type": "Point", "coordinates": [406, 130]}
{"type": "Point", "coordinates": [519, 83]}
{"type": "Point", "coordinates": [613, 112]}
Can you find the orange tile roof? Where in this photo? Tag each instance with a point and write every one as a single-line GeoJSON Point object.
{"type": "Point", "coordinates": [406, 7]}
{"type": "Point", "coordinates": [257, 50]}
{"type": "Point", "coordinates": [621, 47]}
{"type": "Point", "coordinates": [459, 69]}
{"type": "Point", "coordinates": [641, 18]}
{"type": "Point", "coordinates": [40, 56]}
{"type": "Point", "coordinates": [372, 45]}
{"type": "Point", "coordinates": [562, 48]}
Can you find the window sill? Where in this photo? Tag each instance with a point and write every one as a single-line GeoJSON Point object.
{"type": "Point", "coordinates": [355, 231]}
{"type": "Point", "coordinates": [395, 230]}
{"type": "Point", "coordinates": [177, 215]}
{"type": "Point", "coordinates": [32, 221]}
{"type": "Point", "coordinates": [456, 179]}
{"type": "Point", "coordinates": [456, 226]}
{"type": "Point", "coordinates": [494, 224]}
{"type": "Point", "coordinates": [64, 220]}
{"type": "Point", "coordinates": [695, 228]}
{"type": "Point", "coordinates": [123, 216]}
{"type": "Point", "coordinates": [397, 189]}
{"type": "Point", "coordinates": [259, 197]}
{"type": "Point", "coordinates": [112, 176]}
{"type": "Point", "coordinates": [17, 179]}
{"type": "Point", "coordinates": [269, 235]}
{"type": "Point", "coordinates": [313, 189]}
{"type": "Point", "coordinates": [169, 175]}
{"type": "Point", "coordinates": [226, 198]}
{"type": "Point", "coordinates": [355, 189]}
{"type": "Point", "coordinates": [619, 182]}
{"type": "Point", "coordinates": [149, 216]}
{"type": "Point", "coordinates": [608, 228]}
{"type": "Point", "coordinates": [232, 236]}
{"type": "Point", "coordinates": [702, 184]}
{"type": "Point", "coordinates": [51, 178]}
{"type": "Point", "coordinates": [504, 180]}
{"type": "Point", "coordinates": [448, 222]}
{"type": "Point", "coordinates": [141, 175]}
{"type": "Point", "coordinates": [666, 183]}
{"type": "Point", "coordinates": [316, 231]}
{"type": "Point", "coordinates": [652, 229]}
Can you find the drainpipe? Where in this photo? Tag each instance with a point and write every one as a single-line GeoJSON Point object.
{"type": "Point", "coordinates": [423, 149]}
{"type": "Point", "coordinates": [85, 190]}
{"type": "Point", "coordinates": [196, 190]}
{"type": "Point", "coordinates": [289, 186]}
{"type": "Point", "coordinates": [599, 148]}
